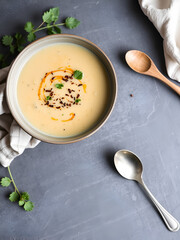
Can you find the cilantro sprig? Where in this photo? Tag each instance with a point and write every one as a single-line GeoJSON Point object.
{"type": "Point", "coordinates": [49, 23]}
{"type": "Point", "coordinates": [17, 196]}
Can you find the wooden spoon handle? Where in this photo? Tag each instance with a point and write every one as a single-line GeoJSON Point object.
{"type": "Point", "coordinates": [154, 72]}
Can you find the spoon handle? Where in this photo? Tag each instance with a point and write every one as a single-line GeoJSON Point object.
{"type": "Point", "coordinates": [171, 223]}
{"type": "Point", "coordinates": [157, 74]}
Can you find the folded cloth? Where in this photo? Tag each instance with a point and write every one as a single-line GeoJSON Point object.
{"type": "Point", "coordinates": [13, 139]}
{"type": "Point", "coordinates": [165, 15]}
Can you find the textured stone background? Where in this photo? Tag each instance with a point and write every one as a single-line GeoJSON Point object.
{"type": "Point", "coordinates": [77, 193]}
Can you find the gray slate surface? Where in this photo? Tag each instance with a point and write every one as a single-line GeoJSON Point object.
{"type": "Point", "coordinates": [77, 193]}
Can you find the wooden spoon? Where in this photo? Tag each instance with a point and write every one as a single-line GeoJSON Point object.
{"type": "Point", "coordinates": [142, 63]}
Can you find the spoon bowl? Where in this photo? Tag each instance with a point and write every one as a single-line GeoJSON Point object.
{"type": "Point", "coordinates": [129, 166]}
{"type": "Point", "coordinates": [138, 61]}
{"type": "Point", "coordinates": [142, 63]}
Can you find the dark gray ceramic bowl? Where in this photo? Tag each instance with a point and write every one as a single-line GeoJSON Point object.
{"type": "Point", "coordinates": [21, 60]}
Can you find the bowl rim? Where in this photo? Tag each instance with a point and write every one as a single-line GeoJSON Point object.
{"type": "Point", "coordinates": [109, 111]}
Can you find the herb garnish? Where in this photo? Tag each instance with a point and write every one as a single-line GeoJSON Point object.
{"type": "Point", "coordinates": [71, 22]}
{"type": "Point", "coordinates": [48, 98]}
{"type": "Point", "coordinates": [16, 196]}
{"type": "Point", "coordinates": [78, 74]}
{"type": "Point", "coordinates": [59, 85]}
{"type": "Point", "coordinates": [77, 100]}
{"type": "Point", "coordinates": [17, 42]}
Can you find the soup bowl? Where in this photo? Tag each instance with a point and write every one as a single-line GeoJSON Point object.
{"type": "Point", "coordinates": [26, 55]}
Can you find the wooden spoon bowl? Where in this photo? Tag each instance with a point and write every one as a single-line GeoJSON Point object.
{"type": "Point", "coordinates": [142, 63]}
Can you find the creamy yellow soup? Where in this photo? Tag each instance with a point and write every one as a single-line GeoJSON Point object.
{"type": "Point", "coordinates": [63, 90]}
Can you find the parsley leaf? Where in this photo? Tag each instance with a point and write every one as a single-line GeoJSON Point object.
{"type": "Point", "coordinates": [5, 182]}
{"type": "Point", "coordinates": [7, 40]}
{"type": "Point", "coordinates": [77, 100]}
{"type": "Point", "coordinates": [12, 49]}
{"type": "Point", "coordinates": [78, 74]}
{"type": "Point", "coordinates": [14, 197]}
{"type": "Point", "coordinates": [21, 203]}
{"type": "Point", "coordinates": [19, 37]}
{"type": "Point", "coordinates": [59, 85]}
{"type": "Point", "coordinates": [57, 29]}
{"type": "Point", "coordinates": [25, 196]}
{"type": "Point", "coordinates": [19, 41]}
{"type": "Point", "coordinates": [48, 98]}
{"type": "Point", "coordinates": [29, 27]}
{"type": "Point", "coordinates": [51, 31]}
{"type": "Point", "coordinates": [47, 17]}
{"type": "Point", "coordinates": [31, 37]}
{"type": "Point", "coordinates": [15, 43]}
{"type": "Point", "coordinates": [51, 16]}
{"type": "Point", "coordinates": [28, 206]}
{"type": "Point", "coordinates": [54, 14]}
{"type": "Point", "coordinates": [71, 22]}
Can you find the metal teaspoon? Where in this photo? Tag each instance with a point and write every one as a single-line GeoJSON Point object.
{"type": "Point", "coordinates": [129, 166]}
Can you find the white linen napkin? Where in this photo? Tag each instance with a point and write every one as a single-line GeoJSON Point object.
{"type": "Point", "coordinates": [13, 139]}
{"type": "Point", "coordinates": [165, 15]}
